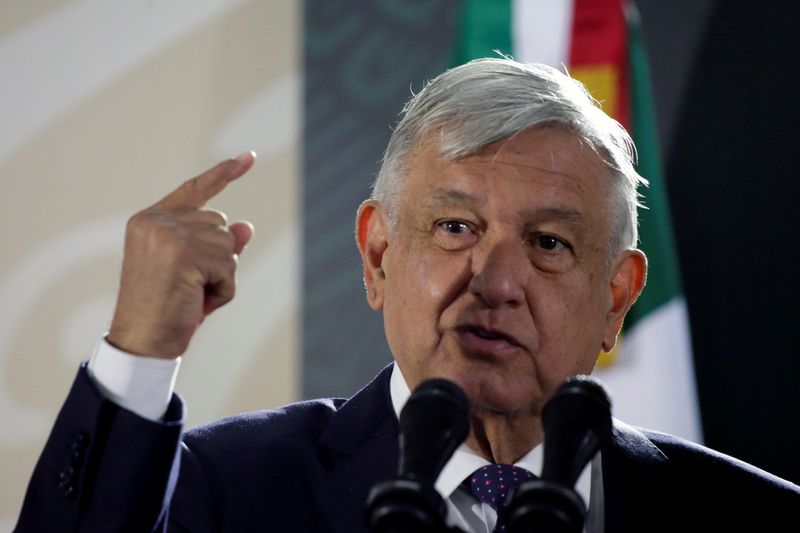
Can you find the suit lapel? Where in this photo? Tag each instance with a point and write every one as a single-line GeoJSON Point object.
{"type": "Point", "coordinates": [362, 442]}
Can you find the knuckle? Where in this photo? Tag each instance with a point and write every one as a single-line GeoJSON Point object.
{"type": "Point", "coordinates": [136, 221]}
{"type": "Point", "coordinates": [140, 225]}
{"type": "Point", "coordinates": [226, 270]}
{"type": "Point", "coordinates": [222, 238]}
{"type": "Point", "coordinates": [232, 263]}
{"type": "Point", "coordinates": [164, 234]}
{"type": "Point", "coordinates": [230, 291]}
{"type": "Point", "coordinates": [172, 243]}
{"type": "Point", "coordinates": [217, 217]}
{"type": "Point", "coordinates": [230, 239]}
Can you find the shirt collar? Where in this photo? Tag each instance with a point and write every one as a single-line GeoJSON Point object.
{"type": "Point", "coordinates": [464, 460]}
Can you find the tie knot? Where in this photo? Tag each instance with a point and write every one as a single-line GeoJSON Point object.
{"type": "Point", "coordinates": [492, 483]}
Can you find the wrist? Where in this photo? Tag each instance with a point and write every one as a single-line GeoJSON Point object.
{"type": "Point", "coordinates": [143, 346]}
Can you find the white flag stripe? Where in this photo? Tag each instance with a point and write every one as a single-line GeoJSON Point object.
{"type": "Point", "coordinates": [542, 31]}
{"type": "Point", "coordinates": [653, 383]}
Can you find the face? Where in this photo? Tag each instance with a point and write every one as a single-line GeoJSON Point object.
{"type": "Point", "coordinates": [496, 274]}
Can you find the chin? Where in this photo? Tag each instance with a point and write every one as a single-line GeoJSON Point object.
{"type": "Point", "coordinates": [490, 391]}
{"type": "Point", "coordinates": [502, 403]}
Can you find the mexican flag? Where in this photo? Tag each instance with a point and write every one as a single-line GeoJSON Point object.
{"type": "Point", "coordinates": [650, 374]}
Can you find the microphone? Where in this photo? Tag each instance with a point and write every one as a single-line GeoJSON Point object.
{"type": "Point", "coordinates": [577, 423]}
{"type": "Point", "coordinates": [434, 421]}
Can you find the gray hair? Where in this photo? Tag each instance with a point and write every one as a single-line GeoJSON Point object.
{"type": "Point", "coordinates": [487, 100]}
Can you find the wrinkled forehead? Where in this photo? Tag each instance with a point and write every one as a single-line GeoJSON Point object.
{"type": "Point", "coordinates": [549, 149]}
{"type": "Point", "coordinates": [457, 139]}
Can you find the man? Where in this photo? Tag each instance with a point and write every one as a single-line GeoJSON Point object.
{"type": "Point", "coordinates": [500, 245]}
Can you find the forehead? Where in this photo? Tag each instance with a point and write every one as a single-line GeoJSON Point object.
{"type": "Point", "coordinates": [540, 168]}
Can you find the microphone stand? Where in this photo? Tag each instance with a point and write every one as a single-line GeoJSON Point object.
{"type": "Point", "coordinates": [405, 506]}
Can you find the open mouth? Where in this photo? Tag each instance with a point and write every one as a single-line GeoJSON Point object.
{"type": "Point", "coordinates": [483, 334]}
{"type": "Point", "coordinates": [489, 335]}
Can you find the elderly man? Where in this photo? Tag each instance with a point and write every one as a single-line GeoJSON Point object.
{"type": "Point", "coordinates": [500, 245]}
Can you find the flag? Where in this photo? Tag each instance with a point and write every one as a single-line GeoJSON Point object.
{"type": "Point", "coordinates": [650, 374]}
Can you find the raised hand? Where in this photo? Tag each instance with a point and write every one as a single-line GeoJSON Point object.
{"type": "Point", "coordinates": [179, 265]}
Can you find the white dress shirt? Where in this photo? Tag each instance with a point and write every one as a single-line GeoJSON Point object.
{"type": "Point", "coordinates": [144, 385]}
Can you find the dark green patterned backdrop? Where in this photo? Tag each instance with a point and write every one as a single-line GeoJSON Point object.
{"type": "Point", "coordinates": [362, 59]}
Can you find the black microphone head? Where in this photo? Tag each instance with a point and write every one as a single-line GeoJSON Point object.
{"type": "Point", "coordinates": [577, 423]}
{"type": "Point", "coordinates": [591, 397]}
{"type": "Point", "coordinates": [433, 422]}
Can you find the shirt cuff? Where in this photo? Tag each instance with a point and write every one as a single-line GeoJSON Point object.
{"type": "Point", "coordinates": [143, 385]}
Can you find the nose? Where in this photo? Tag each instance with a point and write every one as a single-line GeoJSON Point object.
{"type": "Point", "coordinates": [499, 273]}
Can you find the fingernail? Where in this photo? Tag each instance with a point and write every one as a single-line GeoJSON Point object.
{"type": "Point", "coordinates": [245, 156]}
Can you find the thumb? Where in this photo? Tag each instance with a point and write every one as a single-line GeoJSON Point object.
{"type": "Point", "coordinates": [242, 232]}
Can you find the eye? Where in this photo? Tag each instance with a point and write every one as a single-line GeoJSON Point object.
{"type": "Point", "coordinates": [548, 242]}
{"type": "Point", "coordinates": [454, 226]}
{"type": "Point", "coordinates": [453, 234]}
{"type": "Point", "coordinates": [550, 253]}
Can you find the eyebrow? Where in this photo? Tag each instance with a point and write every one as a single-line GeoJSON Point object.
{"type": "Point", "coordinates": [557, 213]}
{"type": "Point", "coordinates": [455, 196]}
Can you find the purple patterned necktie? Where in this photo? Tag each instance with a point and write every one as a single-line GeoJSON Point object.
{"type": "Point", "coordinates": [492, 483]}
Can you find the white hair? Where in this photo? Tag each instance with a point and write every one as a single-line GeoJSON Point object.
{"type": "Point", "coordinates": [487, 100]}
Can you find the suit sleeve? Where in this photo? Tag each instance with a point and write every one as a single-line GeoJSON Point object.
{"type": "Point", "coordinates": [103, 467]}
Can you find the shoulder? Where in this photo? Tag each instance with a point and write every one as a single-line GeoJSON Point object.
{"type": "Point", "coordinates": [241, 459]}
{"type": "Point", "coordinates": [301, 421]}
{"type": "Point", "coordinates": [253, 466]}
{"type": "Point", "coordinates": [697, 461]}
{"type": "Point", "coordinates": [299, 431]}
{"type": "Point", "coordinates": [654, 474]}
{"type": "Point", "coordinates": [716, 484]}
{"type": "Point", "coordinates": [268, 442]}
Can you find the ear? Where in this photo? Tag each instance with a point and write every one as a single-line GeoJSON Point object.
{"type": "Point", "coordinates": [627, 281]}
{"type": "Point", "coordinates": [371, 231]}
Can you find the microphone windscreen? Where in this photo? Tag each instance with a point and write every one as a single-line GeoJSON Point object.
{"type": "Point", "coordinates": [577, 422]}
{"type": "Point", "coordinates": [433, 423]}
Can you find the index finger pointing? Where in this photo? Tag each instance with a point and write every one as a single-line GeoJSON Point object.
{"type": "Point", "coordinates": [194, 193]}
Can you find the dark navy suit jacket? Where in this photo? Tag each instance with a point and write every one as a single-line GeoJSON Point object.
{"type": "Point", "coordinates": [309, 466]}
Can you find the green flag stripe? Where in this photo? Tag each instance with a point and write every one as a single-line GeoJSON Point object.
{"type": "Point", "coordinates": [484, 26]}
{"type": "Point", "coordinates": [655, 224]}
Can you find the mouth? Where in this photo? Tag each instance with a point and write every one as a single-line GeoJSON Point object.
{"type": "Point", "coordinates": [486, 340]}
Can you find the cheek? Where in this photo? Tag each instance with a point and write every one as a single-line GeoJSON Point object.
{"type": "Point", "coordinates": [569, 322]}
{"type": "Point", "coordinates": [427, 280]}
{"type": "Point", "coordinates": [413, 290]}
{"type": "Point", "coordinates": [418, 291]}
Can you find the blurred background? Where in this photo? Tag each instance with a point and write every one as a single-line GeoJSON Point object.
{"type": "Point", "coordinates": [106, 105]}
